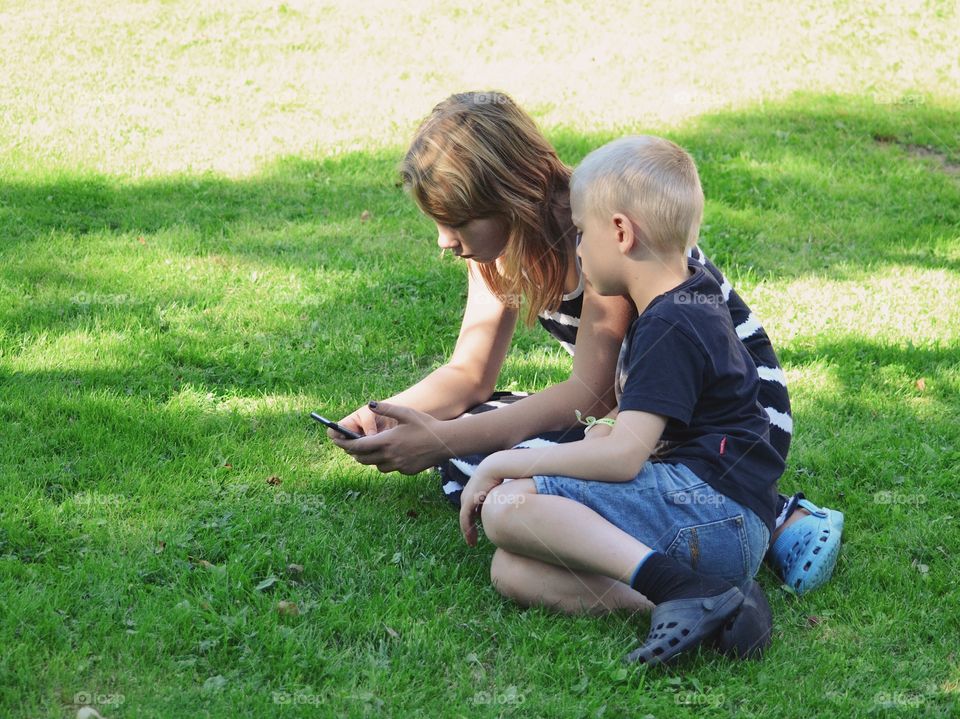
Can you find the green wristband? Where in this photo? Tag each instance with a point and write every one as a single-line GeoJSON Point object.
{"type": "Point", "coordinates": [592, 422]}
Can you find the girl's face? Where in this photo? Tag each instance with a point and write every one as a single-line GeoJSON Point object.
{"type": "Point", "coordinates": [480, 240]}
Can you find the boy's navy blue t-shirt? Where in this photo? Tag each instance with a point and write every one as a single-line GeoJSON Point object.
{"type": "Point", "coordinates": [682, 359]}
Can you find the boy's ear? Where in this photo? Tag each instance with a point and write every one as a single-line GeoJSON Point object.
{"type": "Point", "coordinates": [627, 238]}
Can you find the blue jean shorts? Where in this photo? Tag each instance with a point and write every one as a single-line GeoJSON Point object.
{"type": "Point", "coordinates": [673, 511]}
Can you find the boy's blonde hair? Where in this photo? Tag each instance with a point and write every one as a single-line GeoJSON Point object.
{"type": "Point", "coordinates": [652, 181]}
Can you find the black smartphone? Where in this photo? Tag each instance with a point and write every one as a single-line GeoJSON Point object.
{"type": "Point", "coordinates": [333, 425]}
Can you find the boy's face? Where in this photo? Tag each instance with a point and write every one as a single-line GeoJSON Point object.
{"type": "Point", "coordinates": [602, 263]}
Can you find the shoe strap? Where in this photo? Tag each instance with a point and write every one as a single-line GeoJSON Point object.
{"type": "Point", "coordinates": [812, 508]}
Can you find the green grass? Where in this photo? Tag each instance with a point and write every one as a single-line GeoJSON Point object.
{"type": "Point", "coordinates": [164, 332]}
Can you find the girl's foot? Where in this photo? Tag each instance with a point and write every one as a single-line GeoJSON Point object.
{"type": "Point", "coordinates": [805, 548]}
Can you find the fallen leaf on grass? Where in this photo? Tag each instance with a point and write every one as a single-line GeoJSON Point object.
{"type": "Point", "coordinates": [619, 675]}
{"type": "Point", "coordinates": [288, 609]}
{"type": "Point", "coordinates": [204, 564]}
{"type": "Point", "coordinates": [215, 683]}
{"type": "Point", "coordinates": [266, 584]}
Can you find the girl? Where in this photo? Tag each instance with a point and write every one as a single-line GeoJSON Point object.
{"type": "Point", "coordinates": [499, 195]}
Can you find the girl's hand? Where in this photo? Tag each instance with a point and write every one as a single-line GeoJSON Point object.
{"type": "Point", "coordinates": [472, 498]}
{"type": "Point", "coordinates": [364, 421]}
{"type": "Point", "coordinates": [411, 445]}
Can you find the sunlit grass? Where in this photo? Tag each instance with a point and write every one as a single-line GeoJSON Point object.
{"type": "Point", "coordinates": [159, 87]}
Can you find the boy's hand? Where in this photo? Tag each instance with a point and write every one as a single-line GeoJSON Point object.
{"type": "Point", "coordinates": [471, 499]}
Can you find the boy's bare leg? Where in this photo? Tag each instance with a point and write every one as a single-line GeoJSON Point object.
{"type": "Point", "coordinates": [558, 531]}
{"type": "Point", "coordinates": [532, 583]}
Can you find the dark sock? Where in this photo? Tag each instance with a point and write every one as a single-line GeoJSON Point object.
{"type": "Point", "coordinates": [661, 578]}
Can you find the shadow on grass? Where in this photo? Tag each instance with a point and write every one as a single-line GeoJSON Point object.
{"type": "Point", "coordinates": [801, 186]}
{"type": "Point", "coordinates": [288, 191]}
{"type": "Point", "coordinates": [166, 265]}
{"type": "Point", "coordinates": [857, 364]}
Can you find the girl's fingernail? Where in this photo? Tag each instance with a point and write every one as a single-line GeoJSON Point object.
{"type": "Point", "coordinates": [372, 405]}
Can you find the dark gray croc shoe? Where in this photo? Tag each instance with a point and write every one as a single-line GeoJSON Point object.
{"type": "Point", "coordinates": [746, 634]}
{"type": "Point", "coordinates": [683, 624]}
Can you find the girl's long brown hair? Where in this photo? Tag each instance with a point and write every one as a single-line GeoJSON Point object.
{"type": "Point", "coordinates": [478, 155]}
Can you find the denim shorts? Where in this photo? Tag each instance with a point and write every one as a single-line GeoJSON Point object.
{"type": "Point", "coordinates": [673, 511]}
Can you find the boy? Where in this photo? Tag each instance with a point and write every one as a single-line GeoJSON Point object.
{"type": "Point", "coordinates": [674, 492]}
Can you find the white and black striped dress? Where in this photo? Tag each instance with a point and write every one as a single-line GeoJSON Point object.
{"type": "Point", "coordinates": [563, 324]}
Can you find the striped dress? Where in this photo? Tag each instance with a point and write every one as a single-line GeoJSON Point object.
{"type": "Point", "coordinates": [563, 324]}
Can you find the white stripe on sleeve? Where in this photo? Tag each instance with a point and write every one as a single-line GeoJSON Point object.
{"type": "Point", "coordinates": [560, 318]}
{"type": "Point", "coordinates": [726, 288]}
{"type": "Point", "coordinates": [534, 442]}
{"type": "Point", "coordinates": [772, 374]}
{"type": "Point", "coordinates": [748, 327]}
{"type": "Point", "coordinates": [780, 420]}
{"type": "Point", "coordinates": [465, 467]}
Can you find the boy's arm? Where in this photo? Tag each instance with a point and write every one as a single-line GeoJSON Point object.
{"type": "Point", "coordinates": [601, 430]}
{"type": "Point", "coordinates": [616, 457]}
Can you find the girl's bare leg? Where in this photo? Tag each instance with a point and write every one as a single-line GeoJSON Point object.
{"type": "Point", "coordinates": [532, 583]}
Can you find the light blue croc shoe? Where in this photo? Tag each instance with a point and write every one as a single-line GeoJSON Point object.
{"type": "Point", "coordinates": [806, 552]}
